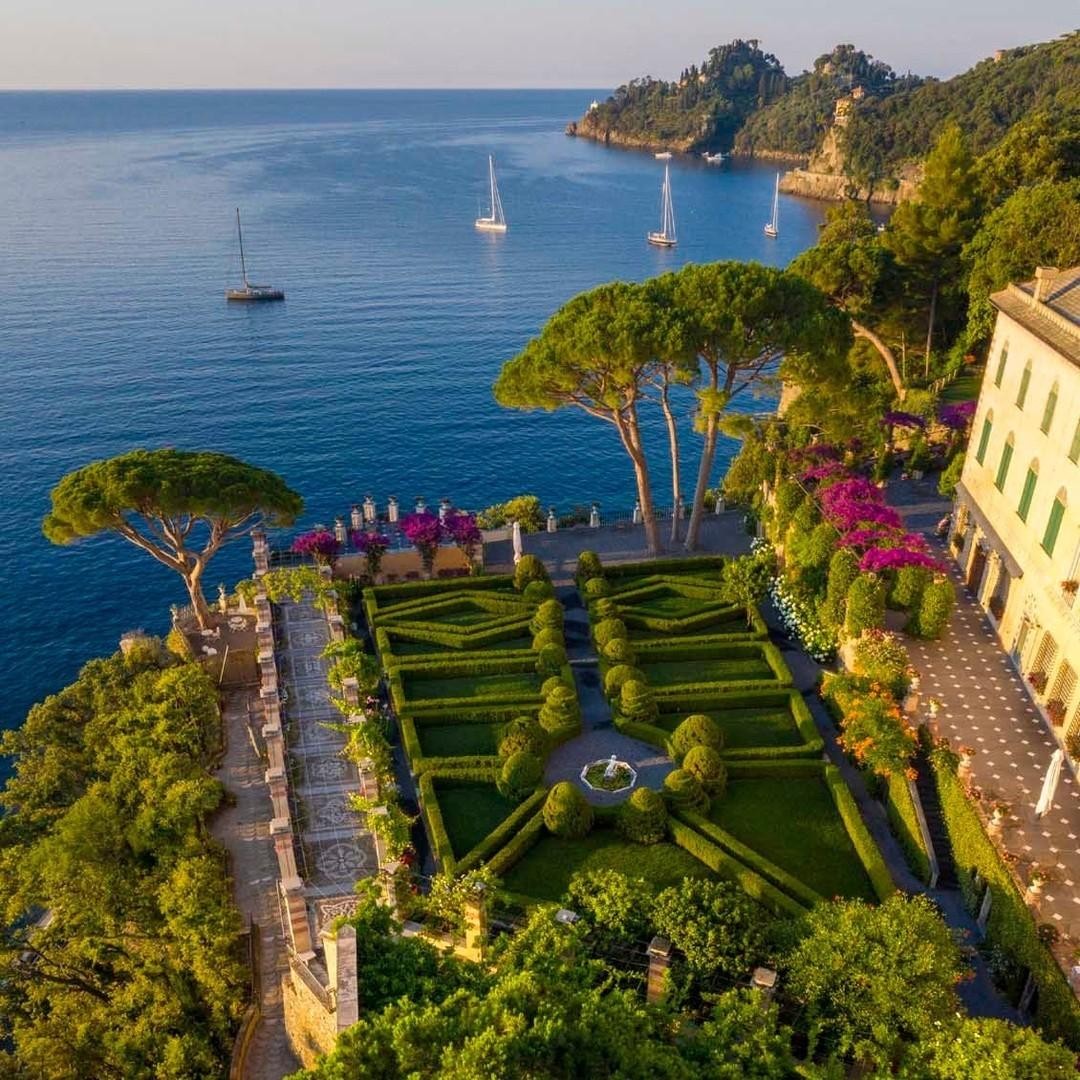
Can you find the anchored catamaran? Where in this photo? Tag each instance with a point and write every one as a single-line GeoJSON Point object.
{"type": "Point", "coordinates": [666, 236]}
{"type": "Point", "coordinates": [772, 227]}
{"type": "Point", "coordinates": [249, 292]}
{"type": "Point", "coordinates": [497, 221]}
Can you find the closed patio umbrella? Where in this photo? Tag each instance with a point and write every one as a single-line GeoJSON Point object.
{"type": "Point", "coordinates": [1053, 775]}
{"type": "Point", "coordinates": [516, 535]}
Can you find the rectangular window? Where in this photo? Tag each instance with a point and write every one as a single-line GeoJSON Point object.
{"type": "Point", "coordinates": [1003, 466]}
{"type": "Point", "coordinates": [1053, 526]}
{"type": "Point", "coordinates": [1027, 494]}
{"type": "Point", "coordinates": [984, 441]}
{"type": "Point", "coordinates": [1074, 450]}
{"type": "Point", "coordinates": [1048, 412]}
{"type": "Point", "coordinates": [1025, 382]}
{"type": "Point", "coordinates": [1000, 373]}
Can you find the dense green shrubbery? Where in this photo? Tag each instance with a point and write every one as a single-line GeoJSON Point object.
{"type": "Point", "coordinates": [506, 833]}
{"type": "Point", "coordinates": [696, 730]}
{"type": "Point", "coordinates": [908, 586]}
{"type": "Point", "coordinates": [529, 568]}
{"type": "Point", "coordinates": [520, 775]}
{"type": "Point", "coordinates": [566, 811]}
{"type": "Point", "coordinates": [524, 509]}
{"type": "Point", "coordinates": [643, 817]}
{"type": "Point", "coordinates": [608, 630]}
{"type": "Point", "coordinates": [522, 734]}
{"type": "Point", "coordinates": [548, 616]}
{"type": "Point", "coordinates": [560, 709]}
{"type": "Point", "coordinates": [706, 764]}
{"type": "Point", "coordinates": [935, 609]}
{"type": "Point", "coordinates": [550, 659]}
{"type": "Point", "coordinates": [843, 570]}
{"type": "Point", "coordinates": [619, 651]}
{"type": "Point", "coordinates": [537, 591]}
{"type": "Point", "coordinates": [684, 791]}
{"type": "Point", "coordinates": [617, 677]}
{"type": "Point", "coordinates": [881, 657]}
{"type": "Point", "coordinates": [596, 587]}
{"type": "Point", "coordinates": [637, 702]}
{"type": "Point", "coordinates": [550, 636]}
{"type": "Point", "coordinates": [552, 683]}
{"type": "Point", "coordinates": [865, 605]}
{"type": "Point", "coordinates": [588, 566]}
{"type": "Point", "coordinates": [604, 608]}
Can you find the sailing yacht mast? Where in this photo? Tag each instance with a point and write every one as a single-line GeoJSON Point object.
{"type": "Point", "coordinates": [666, 236]}
{"type": "Point", "coordinates": [772, 228]}
{"type": "Point", "coordinates": [248, 292]}
{"type": "Point", "coordinates": [240, 235]}
{"type": "Point", "coordinates": [497, 221]}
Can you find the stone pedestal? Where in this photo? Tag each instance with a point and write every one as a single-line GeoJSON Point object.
{"type": "Point", "coordinates": [763, 981]}
{"type": "Point", "coordinates": [260, 551]}
{"type": "Point", "coordinates": [341, 969]}
{"type": "Point", "coordinates": [476, 923]}
{"type": "Point", "coordinates": [660, 953]}
{"type": "Point", "coordinates": [279, 791]}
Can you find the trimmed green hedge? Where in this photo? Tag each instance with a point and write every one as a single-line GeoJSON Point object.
{"type": "Point", "coordinates": [518, 844]}
{"type": "Point", "coordinates": [863, 842]}
{"type": "Point", "coordinates": [691, 624]}
{"type": "Point", "coordinates": [498, 838]}
{"type": "Point", "coordinates": [779, 877]}
{"type": "Point", "coordinates": [688, 565]}
{"type": "Point", "coordinates": [438, 634]}
{"type": "Point", "coordinates": [727, 866]}
{"type": "Point", "coordinates": [1011, 926]}
{"type": "Point", "coordinates": [904, 822]}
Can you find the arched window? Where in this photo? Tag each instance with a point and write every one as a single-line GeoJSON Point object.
{"type": "Point", "coordinates": [1000, 373]}
{"type": "Point", "coordinates": [1030, 480]}
{"type": "Point", "coordinates": [1025, 382]}
{"type": "Point", "coordinates": [984, 437]}
{"type": "Point", "coordinates": [1048, 412]}
{"type": "Point", "coordinates": [1004, 463]}
{"type": "Point", "coordinates": [1053, 523]}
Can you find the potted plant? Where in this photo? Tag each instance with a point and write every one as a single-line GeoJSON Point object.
{"type": "Point", "coordinates": [957, 541]}
{"type": "Point", "coordinates": [934, 706]}
{"type": "Point", "coordinates": [999, 812]}
{"type": "Point", "coordinates": [1038, 681]}
{"type": "Point", "coordinates": [1036, 881]}
{"type": "Point", "coordinates": [374, 546]}
{"type": "Point", "coordinates": [1055, 709]}
{"type": "Point", "coordinates": [1069, 586]}
{"type": "Point", "coordinates": [997, 606]}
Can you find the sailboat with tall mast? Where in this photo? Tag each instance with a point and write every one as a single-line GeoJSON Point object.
{"type": "Point", "coordinates": [248, 292]}
{"type": "Point", "coordinates": [666, 236]}
{"type": "Point", "coordinates": [772, 226]}
{"type": "Point", "coordinates": [496, 222]}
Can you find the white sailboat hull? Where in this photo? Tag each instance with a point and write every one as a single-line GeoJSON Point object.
{"type": "Point", "coordinates": [660, 239]}
{"type": "Point", "coordinates": [772, 230]}
{"type": "Point", "coordinates": [490, 225]}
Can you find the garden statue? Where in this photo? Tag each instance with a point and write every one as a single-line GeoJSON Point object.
{"type": "Point", "coordinates": [612, 765]}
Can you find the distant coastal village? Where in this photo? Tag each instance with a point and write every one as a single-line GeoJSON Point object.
{"type": "Point", "coordinates": [771, 773]}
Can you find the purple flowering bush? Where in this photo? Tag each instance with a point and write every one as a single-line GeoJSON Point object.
{"type": "Point", "coordinates": [465, 533]}
{"type": "Point", "coordinates": [320, 544]}
{"type": "Point", "coordinates": [957, 417]}
{"type": "Point", "coordinates": [424, 531]}
{"type": "Point", "coordinates": [898, 418]}
{"type": "Point", "coordinates": [894, 558]}
{"type": "Point", "coordinates": [373, 546]}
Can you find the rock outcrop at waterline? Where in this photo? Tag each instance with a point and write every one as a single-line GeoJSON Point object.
{"type": "Point", "coordinates": [587, 128]}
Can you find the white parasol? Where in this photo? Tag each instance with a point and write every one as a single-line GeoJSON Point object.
{"type": "Point", "coordinates": [516, 536]}
{"type": "Point", "coordinates": [1053, 775]}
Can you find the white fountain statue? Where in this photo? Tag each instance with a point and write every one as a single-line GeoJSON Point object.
{"type": "Point", "coordinates": [612, 765]}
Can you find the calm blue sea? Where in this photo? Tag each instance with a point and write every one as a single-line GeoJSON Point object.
{"type": "Point", "coordinates": [117, 239]}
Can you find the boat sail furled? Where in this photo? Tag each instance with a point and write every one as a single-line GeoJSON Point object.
{"type": "Point", "coordinates": [249, 293]}
{"type": "Point", "coordinates": [666, 236]}
{"type": "Point", "coordinates": [772, 226]}
{"type": "Point", "coordinates": [497, 221]}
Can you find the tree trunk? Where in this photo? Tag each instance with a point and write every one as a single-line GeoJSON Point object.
{"type": "Point", "coordinates": [630, 433]}
{"type": "Point", "coordinates": [708, 453]}
{"type": "Point", "coordinates": [673, 444]}
{"type": "Point", "coordinates": [930, 328]}
{"type": "Point", "coordinates": [886, 353]}
{"type": "Point", "coordinates": [193, 581]}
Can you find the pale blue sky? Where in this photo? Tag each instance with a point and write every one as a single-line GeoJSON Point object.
{"type": "Point", "coordinates": [466, 43]}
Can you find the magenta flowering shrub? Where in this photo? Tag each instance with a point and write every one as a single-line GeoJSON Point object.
{"type": "Point", "coordinates": [894, 558]}
{"type": "Point", "coordinates": [898, 418]}
{"type": "Point", "coordinates": [828, 470]}
{"type": "Point", "coordinates": [320, 544]}
{"type": "Point", "coordinates": [957, 417]}
{"type": "Point", "coordinates": [374, 546]}
{"type": "Point", "coordinates": [423, 531]}
{"type": "Point", "coordinates": [466, 534]}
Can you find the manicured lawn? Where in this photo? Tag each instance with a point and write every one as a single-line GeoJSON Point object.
{"type": "Point", "coordinates": [458, 740]}
{"type": "Point", "coordinates": [794, 823]}
{"type": "Point", "coordinates": [544, 872]}
{"type": "Point", "coordinates": [771, 725]}
{"type": "Point", "coordinates": [672, 672]}
{"type": "Point", "coordinates": [470, 812]}
{"type": "Point", "coordinates": [508, 685]}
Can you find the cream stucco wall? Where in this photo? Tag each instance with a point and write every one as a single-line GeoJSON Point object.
{"type": "Point", "coordinates": [1031, 604]}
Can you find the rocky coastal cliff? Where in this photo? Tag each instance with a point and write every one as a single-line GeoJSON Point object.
{"type": "Point", "coordinates": [589, 128]}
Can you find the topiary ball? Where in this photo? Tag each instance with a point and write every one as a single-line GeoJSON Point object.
{"type": "Point", "coordinates": [638, 703]}
{"type": "Point", "coordinates": [683, 791]}
{"type": "Point", "coordinates": [596, 587]}
{"type": "Point", "coordinates": [529, 568]}
{"type": "Point", "coordinates": [548, 616]}
{"type": "Point", "coordinates": [708, 766]}
{"type": "Point", "coordinates": [619, 651]}
{"type": "Point", "coordinates": [551, 636]}
{"type": "Point", "coordinates": [536, 592]}
{"type": "Point", "coordinates": [643, 817]}
{"type": "Point", "coordinates": [696, 730]}
{"type": "Point", "coordinates": [617, 677]}
{"type": "Point", "coordinates": [550, 659]}
{"type": "Point", "coordinates": [560, 709]}
{"type": "Point", "coordinates": [604, 608]}
{"type": "Point", "coordinates": [549, 684]}
{"type": "Point", "coordinates": [608, 630]}
{"type": "Point", "coordinates": [522, 735]}
{"type": "Point", "coordinates": [520, 776]}
{"type": "Point", "coordinates": [588, 566]}
{"type": "Point", "coordinates": [566, 811]}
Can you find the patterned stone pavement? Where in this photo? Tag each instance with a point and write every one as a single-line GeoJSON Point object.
{"type": "Point", "coordinates": [334, 849]}
{"type": "Point", "coordinates": [984, 705]}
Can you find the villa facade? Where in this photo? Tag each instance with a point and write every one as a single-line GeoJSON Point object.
{"type": "Point", "coordinates": [1017, 514]}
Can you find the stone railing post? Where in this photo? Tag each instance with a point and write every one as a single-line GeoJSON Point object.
{"type": "Point", "coordinates": [594, 516]}
{"type": "Point", "coordinates": [476, 922]}
{"type": "Point", "coordinates": [764, 982]}
{"type": "Point", "coordinates": [275, 746]}
{"type": "Point", "coordinates": [392, 881]}
{"type": "Point", "coordinates": [659, 953]}
{"type": "Point", "coordinates": [341, 969]}
{"type": "Point", "coordinates": [279, 791]}
{"type": "Point", "coordinates": [350, 688]}
{"type": "Point", "coordinates": [356, 520]}
{"type": "Point", "coordinates": [552, 520]}
{"type": "Point", "coordinates": [260, 551]}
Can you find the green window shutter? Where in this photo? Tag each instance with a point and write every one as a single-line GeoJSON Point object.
{"type": "Point", "coordinates": [1027, 494]}
{"type": "Point", "coordinates": [1074, 450]}
{"type": "Point", "coordinates": [1000, 373]}
{"type": "Point", "coordinates": [1025, 382]}
{"type": "Point", "coordinates": [1048, 412]}
{"type": "Point", "coordinates": [1053, 526]}
{"type": "Point", "coordinates": [984, 441]}
{"type": "Point", "coordinates": [1003, 466]}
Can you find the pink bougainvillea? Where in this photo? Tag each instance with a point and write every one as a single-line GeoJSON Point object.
{"type": "Point", "coordinates": [958, 416]}
{"type": "Point", "coordinates": [424, 531]}
{"type": "Point", "coordinates": [374, 546]}
{"type": "Point", "coordinates": [897, 418]}
{"type": "Point", "coordinates": [825, 471]}
{"type": "Point", "coordinates": [466, 534]}
{"type": "Point", "coordinates": [320, 544]}
{"type": "Point", "coordinates": [893, 558]}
